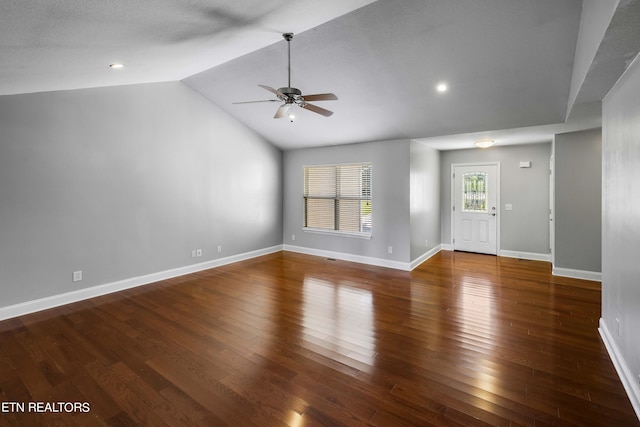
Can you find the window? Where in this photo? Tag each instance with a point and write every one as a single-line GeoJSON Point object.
{"type": "Point", "coordinates": [337, 198]}
{"type": "Point", "coordinates": [474, 192]}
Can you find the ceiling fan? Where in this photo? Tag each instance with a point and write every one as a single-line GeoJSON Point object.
{"type": "Point", "coordinates": [291, 95]}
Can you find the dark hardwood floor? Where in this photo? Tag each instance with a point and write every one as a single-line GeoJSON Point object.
{"type": "Point", "coordinates": [294, 340]}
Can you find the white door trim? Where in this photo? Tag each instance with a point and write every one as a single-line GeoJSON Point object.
{"type": "Point", "coordinates": [552, 206]}
{"type": "Point", "coordinates": [453, 199]}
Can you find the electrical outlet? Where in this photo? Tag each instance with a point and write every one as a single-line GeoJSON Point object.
{"type": "Point", "coordinates": [77, 276]}
{"type": "Point", "coordinates": [198, 252]}
{"type": "Point", "coordinates": [293, 237]}
{"type": "Point", "coordinates": [219, 248]}
{"type": "Point", "coordinates": [194, 253]}
{"type": "Point", "coordinates": [426, 243]}
{"type": "Point", "coordinates": [390, 249]}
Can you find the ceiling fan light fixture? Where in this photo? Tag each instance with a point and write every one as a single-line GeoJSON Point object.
{"type": "Point", "coordinates": [292, 117]}
{"type": "Point", "coordinates": [484, 143]}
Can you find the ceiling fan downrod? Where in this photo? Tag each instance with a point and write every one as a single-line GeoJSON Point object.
{"type": "Point", "coordinates": [288, 37]}
{"type": "Point", "coordinates": [291, 94]}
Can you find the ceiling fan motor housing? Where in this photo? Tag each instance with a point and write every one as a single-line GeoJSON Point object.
{"type": "Point", "coordinates": [290, 91]}
{"type": "Point", "coordinates": [292, 94]}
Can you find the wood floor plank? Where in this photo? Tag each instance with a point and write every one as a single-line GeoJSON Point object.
{"type": "Point", "coordinates": [294, 340]}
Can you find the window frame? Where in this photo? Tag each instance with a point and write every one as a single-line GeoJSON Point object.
{"type": "Point", "coordinates": [336, 198]}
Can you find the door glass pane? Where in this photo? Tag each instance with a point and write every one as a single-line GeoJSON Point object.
{"type": "Point", "coordinates": [474, 192]}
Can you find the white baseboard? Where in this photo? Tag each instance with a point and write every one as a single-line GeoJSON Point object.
{"type": "Point", "coordinates": [509, 254]}
{"type": "Point", "coordinates": [577, 274]}
{"type": "Point", "coordinates": [422, 258]}
{"type": "Point", "coordinates": [525, 255]}
{"type": "Point", "coordinates": [624, 372]}
{"type": "Point", "coordinates": [96, 291]}
{"type": "Point", "coordinates": [398, 265]}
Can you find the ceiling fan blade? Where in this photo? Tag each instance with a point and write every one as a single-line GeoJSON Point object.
{"type": "Point", "coordinates": [317, 109]}
{"type": "Point", "coordinates": [321, 97]}
{"type": "Point", "coordinates": [274, 91]}
{"type": "Point", "coordinates": [253, 102]}
{"type": "Point", "coordinates": [283, 111]}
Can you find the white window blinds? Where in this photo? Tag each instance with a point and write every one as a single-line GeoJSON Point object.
{"type": "Point", "coordinates": [338, 198]}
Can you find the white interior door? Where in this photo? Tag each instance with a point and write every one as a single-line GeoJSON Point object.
{"type": "Point", "coordinates": [475, 208]}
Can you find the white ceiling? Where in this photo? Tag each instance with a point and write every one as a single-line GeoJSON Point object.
{"type": "Point", "coordinates": [50, 45]}
{"type": "Point", "coordinates": [584, 116]}
{"type": "Point", "coordinates": [508, 63]}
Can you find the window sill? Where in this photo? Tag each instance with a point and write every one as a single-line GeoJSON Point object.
{"type": "Point", "coordinates": [366, 236]}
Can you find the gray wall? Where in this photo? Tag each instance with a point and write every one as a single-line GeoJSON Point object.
{"type": "Point", "coordinates": [390, 187]}
{"type": "Point", "coordinates": [578, 200]}
{"type": "Point", "coordinates": [621, 218]}
{"type": "Point", "coordinates": [125, 181]}
{"type": "Point", "coordinates": [424, 199]}
{"type": "Point", "coordinates": [526, 227]}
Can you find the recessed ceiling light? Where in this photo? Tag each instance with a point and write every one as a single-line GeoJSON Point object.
{"type": "Point", "coordinates": [484, 143]}
{"type": "Point", "coordinates": [442, 87]}
{"type": "Point", "coordinates": [116, 66]}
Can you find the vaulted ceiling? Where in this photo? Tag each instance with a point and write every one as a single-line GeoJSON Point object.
{"type": "Point", "coordinates": [514, 68]}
